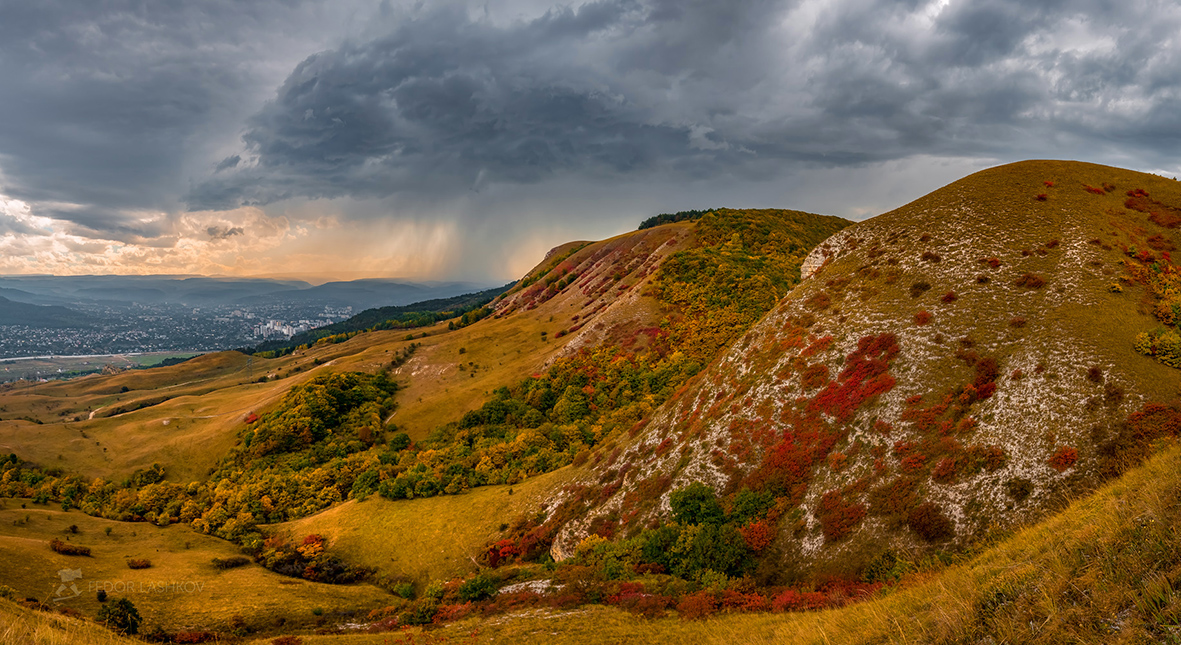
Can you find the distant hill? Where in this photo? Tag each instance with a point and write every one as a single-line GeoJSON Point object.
{"type": "Point", "coordinates": [54, 317]}
{"type": "Point", "coordinates": [203, 291]}
{"type": "Point", "coordinates": [418, 314]}
{"type": "Point", "coordinates": [672, 218]}
{"type": "Point", "coordinates": [364, 294]}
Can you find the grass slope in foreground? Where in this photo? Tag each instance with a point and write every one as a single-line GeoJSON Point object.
{"type": "Point", "coordinates": [1105, 570]}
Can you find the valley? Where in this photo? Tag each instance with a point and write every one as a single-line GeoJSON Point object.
{"type": "Point", "coordinates": [953, 422]}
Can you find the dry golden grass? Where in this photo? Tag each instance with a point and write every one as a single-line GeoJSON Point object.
{"type": "Point", "coordinates": [21, 626]}
{"type": "Point", "coordinates": [1105, 570]}
{"type": "Point", "coordinates": [206, 598]}
{"type": "Point", "coordinates": [424, 539]}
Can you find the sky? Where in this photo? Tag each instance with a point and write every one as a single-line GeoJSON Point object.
{"type": "Point", "coordinates": [450, 140]}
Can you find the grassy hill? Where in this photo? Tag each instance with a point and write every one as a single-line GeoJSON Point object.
{"type": "Point", "coordinates": [1104, 570]}
{"type": "Point", "coordinates": [965, 361]}
{"type": "Point", "coordinates": [864, 403]}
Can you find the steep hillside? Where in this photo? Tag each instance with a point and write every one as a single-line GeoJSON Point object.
{"type": "Point", "coordinates": [966, 361]}
{"type": "Point", "coordinates": [583, 349]}
{"type": "Point", "coordinates": [1107, 569]}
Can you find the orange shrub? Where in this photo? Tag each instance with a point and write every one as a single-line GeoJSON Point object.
{"type": "Point", "coordinates": [1063, 458]}
{"type": "Point", "coordinates": [65, 548]}
{"type": "Point", "coordinates": [757, 535]}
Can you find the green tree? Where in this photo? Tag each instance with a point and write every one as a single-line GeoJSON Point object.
{"type": "Point", "coordinates": [121, 616]}
{"type": "Point", "coordinates": [696, 504]}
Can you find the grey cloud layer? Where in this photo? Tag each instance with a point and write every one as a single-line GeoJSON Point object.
{"type": "Point", "coordinates": [106, 107]}
{"type": "Point", "coordinates": [688, 90]}
{"type": "Point", "coordinates": [116, 115]}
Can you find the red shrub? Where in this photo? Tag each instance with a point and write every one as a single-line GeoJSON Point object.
{"type": "Point", "coordinates": [1048, 184]}
{"type": "Point", "coordinates": [792, 600]}
{"type": "Point", "coordinates": [1092, 189]}
{"type": "Point", "coordinates": [949, 297]}
{"type": "Point", "coordinates": [923, 317]}
{"type": "Point", "coordinates": [251, 418]}
{"type": "Point", "coordinates": [1031, 281]}
{"type": "Point", "coordinates": [913, 463]}
{"type": "Point", "coordinates": [945, 470]}
{"type": "Point", "coordinates": [990, 458]}
{"type": "Point", "coordinates": [697, 605]}
{"type": "Point", "coordinates": [819, 345]}
{"type": "Point", "coordinates": [814, 376]}
{"type": "Point", "coordinates": [992, 262]}
{"type": "Point", "coordinates": [65, 548]}
{"type": "Point", "coordinates": [743, 602]}
{"type": "Point", "coordinates": [1042, 197]}
{"type": "Point", "coordinates": [837, 517]}
{"type": "Point", "coordinates": [928, 522]}
{"type": "Point", "coordinates": [757, 535]}
{"type": "Point", "coordinates": [865, 376]}
{"type": "Point", "coordinates": [1063, 458]}
{"type": "Point", "coordinates": [1154, 421]}
{"type": "Point", "coordinates": [818, 301]}
{"type": "Point", "coordinates": [502, 551]}
{"type": "Point", "coordinates": [453, 612]}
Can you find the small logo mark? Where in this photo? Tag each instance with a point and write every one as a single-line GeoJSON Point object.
{"type": "Point", "coordinates": [68, 576]}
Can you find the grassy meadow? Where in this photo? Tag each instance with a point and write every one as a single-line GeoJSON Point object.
{"type": "Point", "coordinates": [1107, 569]}
{"type": "Point", "coordinates": [182, 590]}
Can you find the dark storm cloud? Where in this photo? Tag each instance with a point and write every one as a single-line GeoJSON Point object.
{"type": "Point", "coordinates": [447, 101]}
{"type": "Point", "coordinates": [229, 162]}
{"type": "Point", "coordinates": [115, 115]}
{"type": "Point", "coordinates": [103, 105]}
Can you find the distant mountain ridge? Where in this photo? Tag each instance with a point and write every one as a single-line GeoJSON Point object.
{"type": "Point", "coordinates": [410, 316]}
{"type": "Point", "coordinates": [201, 291]}
{"type": "Point", "coordinates": [52, 316]}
